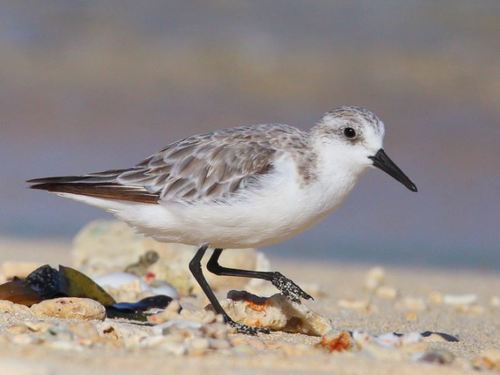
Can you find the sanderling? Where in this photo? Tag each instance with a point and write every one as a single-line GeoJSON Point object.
{"type": "Point", "coordinates": [248, 186]}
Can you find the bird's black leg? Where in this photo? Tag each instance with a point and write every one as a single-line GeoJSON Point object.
{"type": "Point", "coordinates": [195, 268]}
{"type": "Point", "coordinates": [286, 286]}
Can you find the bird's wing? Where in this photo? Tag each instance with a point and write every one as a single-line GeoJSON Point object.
{"type": "Point", "coordinates": [205, 167]}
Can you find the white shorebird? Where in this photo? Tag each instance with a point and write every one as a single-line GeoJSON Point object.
{"type": "Point", "coordinates": [249, 186]}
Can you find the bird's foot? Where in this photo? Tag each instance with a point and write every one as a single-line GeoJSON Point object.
{"type": "Point", "coordinates": [288, 288]}
{"type": "Point", "coordinates": [243, 328]}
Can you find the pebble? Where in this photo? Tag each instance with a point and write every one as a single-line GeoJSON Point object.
{"type": "Point", "coordinates": [70, 308]}
{"type": "Point", "coordinates": [275, 313]}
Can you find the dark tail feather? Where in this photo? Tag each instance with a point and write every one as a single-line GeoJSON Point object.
{"type": "Point", "coordinates": [99, 185]}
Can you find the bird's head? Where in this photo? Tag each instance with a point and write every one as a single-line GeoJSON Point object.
{"type": "Point", "coordinates": [356, 135]}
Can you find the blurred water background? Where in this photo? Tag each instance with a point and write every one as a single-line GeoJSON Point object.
{"type": "Point", "coordinates": [90, 85]}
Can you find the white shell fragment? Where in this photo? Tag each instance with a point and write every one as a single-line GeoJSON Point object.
{"type": "Point", "coordinates": [275, 313]}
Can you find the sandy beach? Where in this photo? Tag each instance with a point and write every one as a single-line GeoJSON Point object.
{"type": "Point", "coordinates": [477, 326]}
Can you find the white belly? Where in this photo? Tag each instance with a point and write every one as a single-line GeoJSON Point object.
{"type": "Point", "coordinates": [279, 210]}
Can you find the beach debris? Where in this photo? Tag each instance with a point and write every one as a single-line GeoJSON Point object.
{"type": "Point", "coordinates": [69, 308]}
{"type": "Point", "coordinates": [45, 285]}
{"type": "Point", "coordinates": [489, 359]}
{"type": "Point", "coordinates": [276, 313]}
{"type": "Point", "coordinates": [107, 246]}
{"type": "Point", "coordinates": [459, 299]}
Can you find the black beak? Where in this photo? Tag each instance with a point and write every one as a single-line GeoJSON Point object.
{"type": "Point", "coordinates": [383, 162]}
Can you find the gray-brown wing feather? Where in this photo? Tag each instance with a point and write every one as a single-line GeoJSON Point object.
{"type": "Point", "coordinates": [207, 167]}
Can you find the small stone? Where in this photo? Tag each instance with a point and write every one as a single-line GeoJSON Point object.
{"type": "Point", "coordinates": [19, 311]}
{"type": "Point", "coordinates": [488, 360]}
{"type": "Point", "coordinates": [70, 308]}
{"type": "Point", "coordinates": [387, 292]}
{"type": "Point", "coordinates": [374, 278]}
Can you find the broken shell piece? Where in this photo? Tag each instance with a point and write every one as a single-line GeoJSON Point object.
{"type": "Point", "coordinates": [275, 313]}
{"type": "Point", "coordinates": [70, 308]}
{"type": "Point", "coordinates": [488, 360]}
{"type": "Point", "coordinates": [374, 278]}
{"type": "Point", "coordinates": [459, 299]}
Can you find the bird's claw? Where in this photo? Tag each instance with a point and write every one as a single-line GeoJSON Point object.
{"type": "Point", "coordinates": [288, 288]}
{"type": "Point", "coordinates": [247, 330]}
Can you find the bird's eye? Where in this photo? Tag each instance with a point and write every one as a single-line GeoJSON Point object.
{"type": "Point", "coordinates": [349, 132]}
